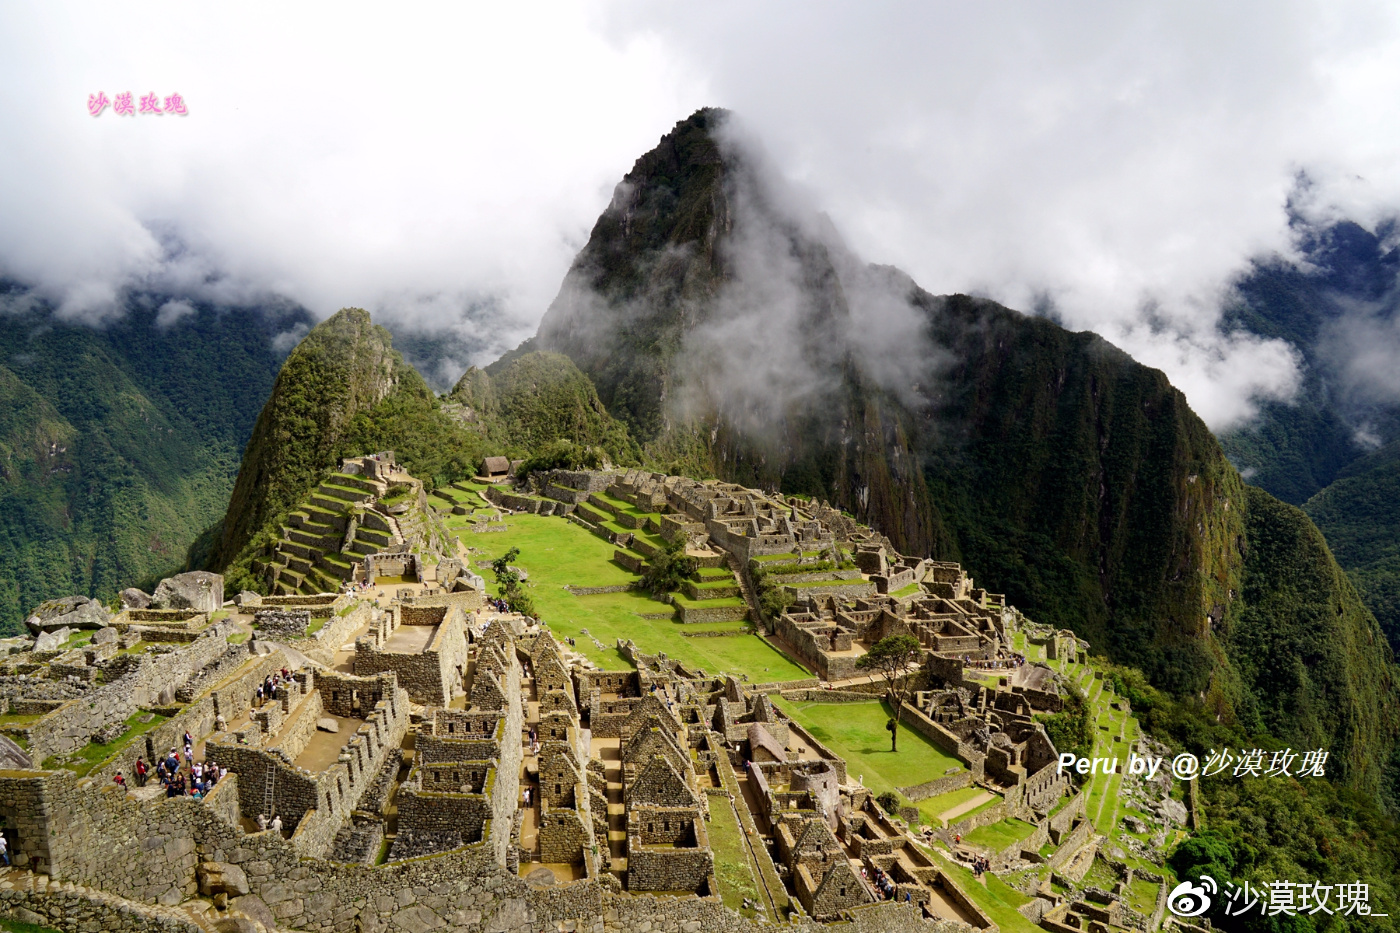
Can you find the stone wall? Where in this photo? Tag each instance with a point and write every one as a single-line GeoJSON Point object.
{"type": "Point", "coordinates": [283, 623]}
{"type": "Point", "coordinates": [88, 910]}
{"type": "Point", "coordinates": [156, 678]}
{"type": "Point", "coordinates": [467, 816]}
{"type": "Point", "coordinates": [937, 786]}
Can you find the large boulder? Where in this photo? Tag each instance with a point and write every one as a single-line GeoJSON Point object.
{"type": "Point", "coordinates": [105, 636]}
{"type": "Point", "coordinates": [52, 640]}
{"type": "Point", "coordinates": [132, 598]}
{"type": "Point", "coordinates": [69, 612]}
{"type": "Point", "coordinates": [222, 878]}
{"type": "Point", "coordinates": [198, 590]}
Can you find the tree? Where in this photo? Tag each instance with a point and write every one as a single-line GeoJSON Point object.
{"type": "Point", "coordinates": [890, 656]}
{"type": "Point", "coordinates": [508, 581]}
{"type": "Point", "coordinates": [668, 568]}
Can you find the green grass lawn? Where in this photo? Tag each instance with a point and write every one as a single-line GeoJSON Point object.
{"type": "Point", "coordinates": [556, 552]}
{"type": "Point", "coordinates": [1142, 896]}
{"type": "Point", "coordinates": [856, 732]}
{"type": "Point", "coordinates": [14, 926]}
{"type": "Point", "coordinates": [733, 869]}
{"type": "Point", "coordinates": [20, 719]}
{"type": "Point", "coordinates": [1006, 892]}
{"type": "Point", "coordinates": [930, 808]}
{"type": "Point", "coordinates": [997, 836]}
{"type": "Point", "coordinates": [909, 590]}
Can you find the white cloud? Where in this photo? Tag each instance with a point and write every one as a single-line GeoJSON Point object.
{"type": "Point", "coordinates": [1119, 161]}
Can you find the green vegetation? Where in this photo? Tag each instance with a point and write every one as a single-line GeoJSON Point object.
{"type": "Point", "coordinates": [733, 866]}
{"type": "Point", "coordinates": [852, 730]}
{"type": "Point", "coordinates": [668, 568]}
{"type": "Point", "coordinates": [119, 444]}
{"type": "Point", "coordinates": [559, 553]}
{"type": "Point", "coordinates": [1071, 729]}
{"type": "Point", "coordinates": [540, 398]}
{"type": "Point", "coordinates": [508, 584]}
{"type": "Point", "coordinates": [1359, 513]}
{"type": "Point", "coordinates": [15, 926]}
{"type": "Point", "coordinates": [891, 657]}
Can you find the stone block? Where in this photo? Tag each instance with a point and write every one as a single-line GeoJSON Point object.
{"type": "Point", "coordinates": [222, 878]}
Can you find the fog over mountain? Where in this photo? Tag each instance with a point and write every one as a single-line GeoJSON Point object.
{"type": "Point", "coordinates": [1111, 166]}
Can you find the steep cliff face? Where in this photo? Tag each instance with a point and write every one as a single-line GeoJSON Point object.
{"type": "Point", "coordinates": [345, 366]}
{"type": "Point", "coordinates": [736, 335]}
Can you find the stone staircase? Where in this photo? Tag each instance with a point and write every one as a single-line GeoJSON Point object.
{"type": "Point", "coordinates": [327, 534]}
{"type": "Point", "coordinates": [35, 898]}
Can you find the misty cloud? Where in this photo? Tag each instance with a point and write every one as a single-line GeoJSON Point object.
{"type": "Point", "coordinates": [1363, 347]}
{"type": "Point", "coordinates": [440, 166]}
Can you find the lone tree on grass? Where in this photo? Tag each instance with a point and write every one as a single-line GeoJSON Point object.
{"type": "Point", "coordinates": [889, 657]}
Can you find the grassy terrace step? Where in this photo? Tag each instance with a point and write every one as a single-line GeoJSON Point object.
{"type": "Point", "coordinates": [301, 565]}
{"type": "Point", "coordinates": [314, 513]}
{"type": "Point", "coordinates": [592, 514]}
{"type": "Point", "coordinates": [341, 492]}
{"type": "Point", "coordinates": [707, 574]}
{"type": "Point", "coordinates": [320, 542]}
{"type": "Point", "coordinates": [711, 592]}
{"type": "Point", "coordinates": [329, 504]}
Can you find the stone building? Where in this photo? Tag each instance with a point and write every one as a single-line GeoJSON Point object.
{"type": "Point", "coordinates": [425, 645]}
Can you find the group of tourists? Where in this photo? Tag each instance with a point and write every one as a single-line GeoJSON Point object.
{"type": "Point", "coordinates": [995, 663]}
{"type": "Point", "coordinates": [980, 866]}
{"type": "Point", "coordinates": [275, 824]}
{"type": "Point", "coordinates": [267, 690]}
{"type": "Point", "coordinates": [882, 883]}
{"type": "Point", "coordinates": [194, 779]}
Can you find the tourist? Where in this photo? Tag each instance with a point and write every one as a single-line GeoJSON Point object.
{"type": "Point", "coordinates": [262, 821]}
{"type": "Point", "coordinates": [4, 849]}
{"type": "Point", "coordinates": [189, 740]}
{"type": "Point", "coordinates": [277, 825]}
{"type": "Point", "coordinates": [259, 696]}
{"type": "Point", "coordinates": [119, 780]}
{"type": "Point", "coordinates": [141, 772]}
{"type": "Point", "coordinates": [219, 723]}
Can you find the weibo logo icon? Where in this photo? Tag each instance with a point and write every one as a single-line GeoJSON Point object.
{"type": "Point", "coordinates": [1192, 900]}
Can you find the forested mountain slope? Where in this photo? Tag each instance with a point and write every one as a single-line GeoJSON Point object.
{"type": "Point", "coordinates": [119, 444]}
{"type": "Point", "coordinates": [1332, 449]}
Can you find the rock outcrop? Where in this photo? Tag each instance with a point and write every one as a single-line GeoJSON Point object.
{"type": "Point", "coordinates": [198, 590]}
{"type": "Point", "coordinates": [73, 612]}
{"type": "Point", "coordinates": [132, 598]}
